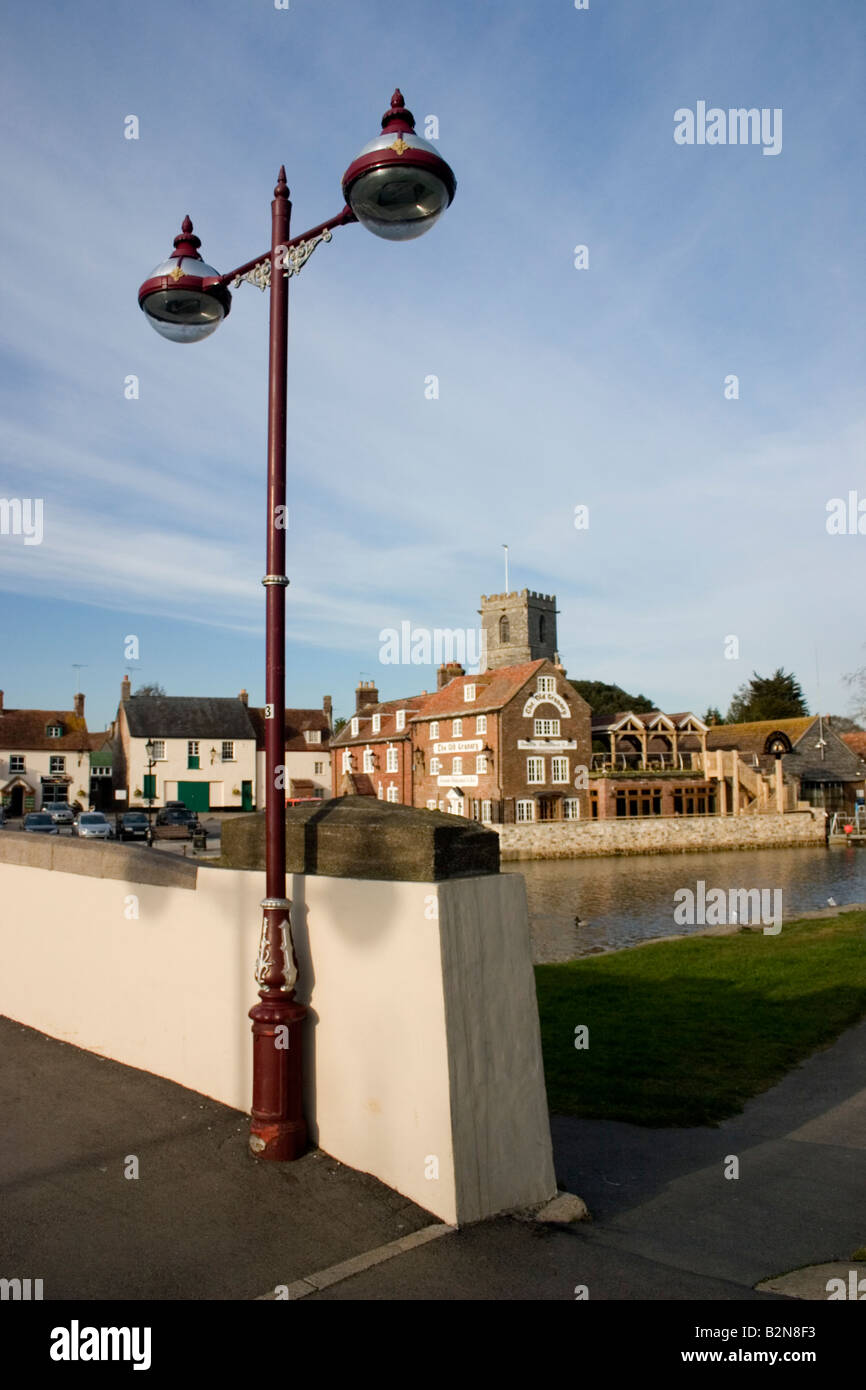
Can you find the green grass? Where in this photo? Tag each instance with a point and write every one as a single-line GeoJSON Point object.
{"type": "Point", "coordinates": [685, 1032]}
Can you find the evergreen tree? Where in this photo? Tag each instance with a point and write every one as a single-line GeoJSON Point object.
{"type": "Point", "coordinates": [713, 716]}
{"type": "Point", "coordinates": [778, 696]}
{"type": "Point", "coordinates": [604, 698]}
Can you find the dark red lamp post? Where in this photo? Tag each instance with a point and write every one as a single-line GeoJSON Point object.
{"type": "Point", "coordinates": [397, 187]}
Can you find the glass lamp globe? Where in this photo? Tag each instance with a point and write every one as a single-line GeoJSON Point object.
{"type": "Point", "coordinates": [182, 298]}
{"type": "Point", "coordinates": [399, 185]}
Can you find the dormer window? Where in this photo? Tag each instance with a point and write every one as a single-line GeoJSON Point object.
{"type": "Point", "coordinates": [313, 735]}
{"type": "Point", "coordinates": [377, 723]}
{"type": "Point", "coordinates": [469, 693]}
{"type": "Point", "coordinates": [401, 719]}
{"type": "Point", "coordinates": [54, 731]}
{"type": "Point", "coordinates": [355, 725]}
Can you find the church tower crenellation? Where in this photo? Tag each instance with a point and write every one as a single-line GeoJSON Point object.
{"type": "Point", "coordinates": [518, 627]}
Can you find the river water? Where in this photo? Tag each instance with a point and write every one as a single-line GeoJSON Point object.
{"type": "Point", "coordinates": [623, 900]}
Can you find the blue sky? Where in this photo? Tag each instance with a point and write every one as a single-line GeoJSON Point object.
{"type": "Point", "coordinates": [558, 386]}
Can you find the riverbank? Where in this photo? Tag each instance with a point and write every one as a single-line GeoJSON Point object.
{"type": "Point", "coordinates": [582, 907]}
{"type": "Point", "coordinates": [659, 835]}
{"type": "Point", "coordinates": [686, 1033]}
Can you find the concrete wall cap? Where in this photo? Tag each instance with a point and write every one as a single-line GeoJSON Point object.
{"type": "Point", "coordinates": [362, 837]}
{"type": "Point", "coordinates": [96, 859]}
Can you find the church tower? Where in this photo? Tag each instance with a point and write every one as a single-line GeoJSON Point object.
{"type": "Point", "coordinates": [518, 627]}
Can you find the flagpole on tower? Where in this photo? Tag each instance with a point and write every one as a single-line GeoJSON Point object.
{"type": "Point", "coordinates": [505, 548]}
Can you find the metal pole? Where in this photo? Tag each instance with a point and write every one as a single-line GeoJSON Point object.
{"type": "Point", "coordinates": [277, 1126]}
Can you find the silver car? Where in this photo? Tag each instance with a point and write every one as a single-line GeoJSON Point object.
{"type": "Point", "coordinates": [60, 813]}
{"type": "Point", "coordinates": [92, 825]}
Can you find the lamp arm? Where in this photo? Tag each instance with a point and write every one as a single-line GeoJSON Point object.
{"type": "Point", "coordinates": [261, 264]}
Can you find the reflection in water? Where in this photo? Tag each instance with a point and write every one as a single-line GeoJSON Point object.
{"type": "Point", "coordinates": [621, 901]}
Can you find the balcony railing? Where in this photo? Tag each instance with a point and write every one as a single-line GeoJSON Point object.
{"type": "Point", "coordinates": [655, 762]}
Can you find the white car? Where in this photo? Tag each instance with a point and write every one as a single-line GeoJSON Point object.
{"type": "Point", "coordinates": [92, 825]}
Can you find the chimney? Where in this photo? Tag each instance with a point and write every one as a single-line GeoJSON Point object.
{"type": "Point", "coordinates": [244, 698]}
{"type": "Point", "coordinates": [447, 672]}
{"type": "Point", "coordinates": [79, 705]}
{"type": "Point", "coordinates": [1, 701]}
{"type": "Point", "coordinates": [125, 688]}
{"type": "Point", "coordinates": [365, 694]}
{"type": "Point", "coordinates": [329, 711]}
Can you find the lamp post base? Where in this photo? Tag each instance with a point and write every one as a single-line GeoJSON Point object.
{"type": "Point", "coordinates": [278, 1129]}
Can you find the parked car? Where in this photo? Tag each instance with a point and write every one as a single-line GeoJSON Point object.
{"type": "Point", "coordinates": [92, 825]}
{"type": "Point", "coordinates": [2, 818]}
{"type": "Point", "coordinates": [132, 825]}
{"type": "Point", "coordinates": [40, 823]}
{"type": "Point", "coordinates": [176, 823]}
{"type": "Point", "coordinates": [60, 813]}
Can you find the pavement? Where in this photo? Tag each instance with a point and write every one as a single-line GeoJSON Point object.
{"type": "Point", "coordinates": [202, 1220]}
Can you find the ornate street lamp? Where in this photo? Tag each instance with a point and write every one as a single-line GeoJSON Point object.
{"type": "Point", "coordinates": [397, 187]}
{"type": "Point", "coordinates": [148, 748]}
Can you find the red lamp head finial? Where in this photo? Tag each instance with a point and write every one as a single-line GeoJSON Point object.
{"type": "Point", "coordinates": [398, 118]}
{"type": "Point", "coordinates": [186, 244]}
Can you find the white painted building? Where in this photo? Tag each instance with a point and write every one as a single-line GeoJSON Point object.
{"type": "Point", "coordinates": [203, 751]}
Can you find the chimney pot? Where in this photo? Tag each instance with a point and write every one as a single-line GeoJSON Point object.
{"type": "Point", "coordinates": [244, 698]}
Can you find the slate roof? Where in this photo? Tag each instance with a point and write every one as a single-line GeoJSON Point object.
{"type": "Point", "coordinates": [23, 730]}
{"type": "Point", "coordinates": [838, 764]}
{"type": "Point", "coordinates": [297, 720]}
{"type": "Point", "coordinates": [752, 738]}
{"type": "Point", "coordinates": [187, 716]}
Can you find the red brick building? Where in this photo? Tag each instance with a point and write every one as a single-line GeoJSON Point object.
{"type": "Point", "coordinates": [372, 754]}
{"type": "Point", "coordinates": [504, 745]}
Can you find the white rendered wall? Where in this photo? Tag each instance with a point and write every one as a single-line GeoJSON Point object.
{"type": "Point", "coordinates": [422, 1051]}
